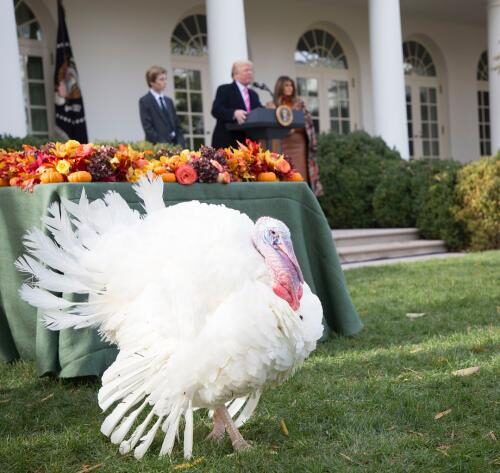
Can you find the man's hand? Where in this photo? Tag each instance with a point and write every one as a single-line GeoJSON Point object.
{"type": "Point", "coordinates": [240, 116]}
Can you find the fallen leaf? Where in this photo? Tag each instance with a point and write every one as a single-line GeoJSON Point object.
{"type": "Point", "coordinates": [442, 449]}
{"type": "Point", "coordinates": [346, 457]}
{"type": "Point", "coordinates": [416, 433]}
{"type": "Point", "coordinates": [185, 466]}
{"type": "Point", "coordinates": [415, 315]}
{"type": "Point", "coordinates": [416, 349]}
{"type": "Point", "coordinates": [466, 371]}
{"type": "Point", "coordinates": [350, 459]}
{"type": "Point", "coordinates": [442, 414]}
{"type": "Point", "coordinates": [284, 428]}
{"type": "Point", "coordinates": [492, 435]}
{"type": "Point", "coordinates": [46, 398]}
{"type": "Point", "coordinates": [87, 468]}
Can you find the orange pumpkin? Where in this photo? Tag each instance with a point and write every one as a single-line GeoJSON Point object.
{"type": "Point", "coordinates": [266, 177]}
{"type": "Point", "coordinates": [168, 177]}
{"type": "Point", "coordinates": [3, 182]}
{"type": "Point", "coordinates": [51, 177]}
{"type": "Point", "coordinates": [159, 170]}
{"type": "Point", "coordinates": [294, 176]}
{"type": "Point", "coordinates": [80, 176]}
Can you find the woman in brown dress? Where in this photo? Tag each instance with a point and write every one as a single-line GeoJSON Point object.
{"type": "Point", "coordinates": [301, 143]}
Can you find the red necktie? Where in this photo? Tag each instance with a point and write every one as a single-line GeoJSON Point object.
{"type": "Point", "coordinates": [246, 98]}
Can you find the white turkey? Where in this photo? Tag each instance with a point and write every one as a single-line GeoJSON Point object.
{"type": "Point", "coordinates": [207, 308]}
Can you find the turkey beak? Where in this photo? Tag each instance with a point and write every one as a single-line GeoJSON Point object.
{"type": "Point", "coordinates": [286, 247]}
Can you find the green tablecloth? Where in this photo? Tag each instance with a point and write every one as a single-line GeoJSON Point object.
{"type": "Point", "coordinates": [71, 353]}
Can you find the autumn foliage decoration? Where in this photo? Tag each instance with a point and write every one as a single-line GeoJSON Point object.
{"type": "Point", "coordinates": [75, 163]}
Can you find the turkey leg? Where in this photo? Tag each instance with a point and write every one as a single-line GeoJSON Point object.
{"type": "Point", "coordinates": [219, 430]}
{"type": "Point", "coordinates": [239, 443]}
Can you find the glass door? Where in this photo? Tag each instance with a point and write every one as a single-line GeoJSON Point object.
{"type": "Point", "coordinates": [329, 97]}
{"type": "Point", "coordinates": [192, 103]}
{"type": "Point", "coordinates": [423, 121]}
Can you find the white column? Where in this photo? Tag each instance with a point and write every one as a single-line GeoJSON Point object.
{"type": "Point", "coordinates": [494, 72]}
{"type": "Point", "coordinates": [388, 91]}
{"type": "Point", "coordinates": [13, 114]}
{"type": "Point", "coordinates": [227, 38]}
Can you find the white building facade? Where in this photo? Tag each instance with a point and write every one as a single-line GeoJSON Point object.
{"type": "Point", "coordinates": [423, 74]}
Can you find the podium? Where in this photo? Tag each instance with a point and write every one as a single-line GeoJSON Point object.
{"type": "Point", "coordinates": [261, 124]}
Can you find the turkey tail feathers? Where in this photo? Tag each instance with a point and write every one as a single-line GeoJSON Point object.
{"type": "Point", "coordinates": [126, 382]}
{"type": "Point", "coordinates": [150, 190]}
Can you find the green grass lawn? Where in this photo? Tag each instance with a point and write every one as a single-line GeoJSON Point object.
{"type": "Point", "coordinates": [362, 404]}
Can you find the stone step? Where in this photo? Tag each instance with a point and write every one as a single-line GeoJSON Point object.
{"type": "Point", "coordinates": [372, 236]}
{"type": "Point", "coordinates": [397, 249]}
{"type": "Point", "coordinates": [408, 259]}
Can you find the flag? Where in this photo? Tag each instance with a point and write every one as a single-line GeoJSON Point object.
{"type": "Point", "coordinates": [70, 114]}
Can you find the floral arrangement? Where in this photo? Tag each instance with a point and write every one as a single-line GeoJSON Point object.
{"type": "Point", "coordinates": [75, 162]}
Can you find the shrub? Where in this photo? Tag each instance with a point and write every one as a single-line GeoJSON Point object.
{"type": "Point", "coordinates": [351, 167]}
{"type": "Point", "coordinates": [433, 196]}
{"type": "Point", "coordinates": [15, 143]}
{"type": "Point", "coordinates": [392, 199]}
{"type": "Point", "coordinates": [478, 191]}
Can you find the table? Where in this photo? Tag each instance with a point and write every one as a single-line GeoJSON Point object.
{"type": "Point", "coordinates": [72, 353]}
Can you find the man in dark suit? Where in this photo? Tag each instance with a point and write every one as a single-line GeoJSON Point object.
{"type": "Point", "coordinates": [232, 104]}
{"type": "Point", "coordinates": [157, 111]}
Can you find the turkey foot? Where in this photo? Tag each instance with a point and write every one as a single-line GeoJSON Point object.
{"type": "Point", "coordinates": [218, 431]}
{"type": "Point", "coordinates": [237, 440]}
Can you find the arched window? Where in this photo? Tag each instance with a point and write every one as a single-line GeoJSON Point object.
{"type": "Point", "coordinates": [483, 105]}
{"type": "Point", "coordinates": [190, 67]}
{"type": "Point", "coordinates": [190, 36]}
{"type": "Point", "coordinates": [33, 69]}
{"type": "Point", "coordinates": [324, 81]}
{"type": "Point", "coordinates": [320, 48]}
{"type": "Point", "coordinates": [417, 60]}
{"type": "Point", "coordinates": [422, 101]}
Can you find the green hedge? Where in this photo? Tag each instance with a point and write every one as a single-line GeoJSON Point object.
{"type": "Point", "coordinates": [367, 184]}
{"type": "Point", "coordinates": [351, 167]}
{"type": "Point", "coordinates": [15, 143]}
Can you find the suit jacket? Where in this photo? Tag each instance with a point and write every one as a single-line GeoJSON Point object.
{"type": "Point", "coordinates": [228, 99]}
{"type": "Point", "coordinates": [160, 127]}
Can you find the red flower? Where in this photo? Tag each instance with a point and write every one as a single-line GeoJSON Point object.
{"type": "Point", "coordinates": [186, 174]}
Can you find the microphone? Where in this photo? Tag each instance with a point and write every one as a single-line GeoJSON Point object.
{"type": "Point", "coordinates": [263, 86]}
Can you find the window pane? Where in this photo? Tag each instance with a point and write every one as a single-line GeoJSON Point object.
{"type": "Point", "coordinates": [35, 67]}
{"type": "Point", "coordinates": [39, 120]}
{"type": "Point", "coordinates": [194, 80]}
{"type": "Point", "coordinates": [435, 149]}
{"type": "Point", "coordinates": [37, 94]}
{"type": "Point", "coordinates": [198, 127]}
{"type": "Point", "coordinates": [23, 14]}
{"type": "Point", "coordinates": [184, 122]}
{"type": "Point", "coordinates": [196, 103]}
{"type": "Point", "coordinates": [181, 101]}
{"type": "Point", "coordinates": [426, 148]}
{"type": "Point", "coordinates": [180, 81]}
{"type": "Point", "coordinates": [198, 143]}
{"type": "Point", "coordinates": [346, 127]}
